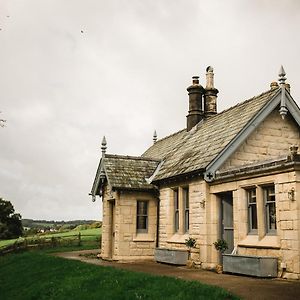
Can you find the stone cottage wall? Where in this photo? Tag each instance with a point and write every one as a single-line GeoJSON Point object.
{"type": "Point", "coordinates": [272, 139]}
{"type": "Point", "coordinates": [120, 240]}
{"type": "Point", "coordinates": [168, 238]}
{"type": "Point", "coordinates": [285, 243]}
{"type": "Point", "coordinates": [133, 245]}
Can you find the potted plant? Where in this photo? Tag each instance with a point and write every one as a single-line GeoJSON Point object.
{"type": "Point", "coordinates": [221, 246]}
{"type": "Point", "coordinates": [190, 243]}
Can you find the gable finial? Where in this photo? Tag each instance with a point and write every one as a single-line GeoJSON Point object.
{"type": "Point", "coordinates": [103, 146]}
{"type": "Point", "coordinates": [281, 75]}
{"type": "Point", "coordinates": [154, 137]}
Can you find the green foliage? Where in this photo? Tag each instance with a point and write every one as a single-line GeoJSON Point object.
{"type": "Point", "coordinates": [221, 245]}
{"type": "Point", "coordinates": [190, 243]}
{"type": "Point", "coordinates": [10, 222]}
{"type": "Point", "coordinates": [33, 275]}
{"type": "Point", "coordinates": [96, 225]}
{"type": "Point", "coordinates": [44, 224]}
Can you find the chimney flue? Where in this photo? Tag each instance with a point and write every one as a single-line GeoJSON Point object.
{"type": "Point", "coordinates": [210, 93]}
{"type": "Point", "coordinates": [195, 103]}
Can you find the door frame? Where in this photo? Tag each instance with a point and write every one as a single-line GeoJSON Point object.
{"type": "Point", "coordinates": [112, 209]}
{"type": "Point", "coordinates": [226, 197]}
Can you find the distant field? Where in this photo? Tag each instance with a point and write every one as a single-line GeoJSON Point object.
{"type": "Point", "coordinates": [86, 235]}
{"type": "Point", "coordinates": [35, 275]}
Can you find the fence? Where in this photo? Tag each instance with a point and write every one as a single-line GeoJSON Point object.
{"type": "Point", "coordinates": [51, 242]}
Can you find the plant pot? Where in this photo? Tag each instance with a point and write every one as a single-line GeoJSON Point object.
{"type": "Point", "coordinates": [219, 269]}
{"type": "Point", "coordinates": [190, 264]}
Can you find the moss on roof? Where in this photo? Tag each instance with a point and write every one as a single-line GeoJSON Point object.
{"type": "Point", "coordinates": [129, 172]}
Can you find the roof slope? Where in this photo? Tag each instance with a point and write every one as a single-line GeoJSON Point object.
{"type": "Point", "coordinates": [164, 146]}
{"type": "Point", "coordinates": [129, 172]}
{"type": "Point", "coordinates": [194, 150]}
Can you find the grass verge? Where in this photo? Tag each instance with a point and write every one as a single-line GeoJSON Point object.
{"type": "Point", "coordinates": [35, 275]}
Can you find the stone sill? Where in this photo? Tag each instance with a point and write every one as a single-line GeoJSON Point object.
{"type": "Point", "coordinates": [143, 237]}
{"type": "Point", "coordinates": [267, 242]}
{"type": "Point", "coordinates": [178, 239]}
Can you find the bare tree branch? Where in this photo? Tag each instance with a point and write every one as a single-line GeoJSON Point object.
{"type": "Point", "coordinates": [2, 121]}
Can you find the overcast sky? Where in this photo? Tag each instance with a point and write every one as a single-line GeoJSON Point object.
{"type": "Point", "coordinates": [72, 71]}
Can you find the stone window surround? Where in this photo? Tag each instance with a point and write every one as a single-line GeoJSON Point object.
{"type": "Point", "coordinates": [181, 210]}
{"type": "Point", "coordinates": [262, 230]}
{"type": "Point", "coordinates": [141, 230]}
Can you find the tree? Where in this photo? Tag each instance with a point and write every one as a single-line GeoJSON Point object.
{"type": "Point", "coordinates": [10, 222]}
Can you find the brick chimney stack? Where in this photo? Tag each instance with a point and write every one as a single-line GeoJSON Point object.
{"type": "Point", "coordinates": [210, 93]}
{"type": "Point", "coordinates": [195, 103]}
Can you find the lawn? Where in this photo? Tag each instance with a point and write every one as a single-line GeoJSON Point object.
{"type": "Point", "coordinates": [36, 275]}
{"type": "Point", "coordinates": [86, 235]}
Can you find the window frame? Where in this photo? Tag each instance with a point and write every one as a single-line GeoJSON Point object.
{"type": "Point", "coordinates": [252, 205]}
{"type": "Point", "coordinates": [176, 209]}
{"type": "Point", "coordinates": [142, 215]}
{"type": "Point", "coordinates": [186, 208]}
{"type": "Point", "coordinates": [267, 195]}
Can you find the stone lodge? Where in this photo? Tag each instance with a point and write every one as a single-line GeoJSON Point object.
{"type": "Point", "coordinates": [233, 175]}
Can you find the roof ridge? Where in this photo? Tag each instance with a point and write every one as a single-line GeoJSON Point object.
{"type": "Point", "coordinates": [168, 136]}
{"type": "Point", "coordinates": [130, 157]}
{"type": "Point", "coordinates": [247, 100]}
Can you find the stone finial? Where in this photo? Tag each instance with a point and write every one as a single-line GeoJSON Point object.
{"type": "Point", "coordinates": [293, 150]}
{"type": "Point", "coordinates": [274, 85]}
{"type": "Point", "coordinates": [154, 137]}
{"type": "Point", "coordinates": [103, 146]}
{"type": "Point", "coordinates": [281, 75]}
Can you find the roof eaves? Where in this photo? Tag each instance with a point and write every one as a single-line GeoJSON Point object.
{"type": "Point", "coordinates": [95, 187]}
{"type": "Point", "coordinates": [293, 108]}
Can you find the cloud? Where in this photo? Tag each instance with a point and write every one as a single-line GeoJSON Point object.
{"type": "Point", "coordinates": [72, 71]}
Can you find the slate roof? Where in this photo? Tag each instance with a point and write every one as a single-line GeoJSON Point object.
{"type": "Point", "coordinates": [185, 152]}
{"type": "Point", "coordinates": [129, 172]}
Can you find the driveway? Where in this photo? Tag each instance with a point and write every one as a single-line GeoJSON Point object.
{"type": "Point", "coordinates": [245, 287]}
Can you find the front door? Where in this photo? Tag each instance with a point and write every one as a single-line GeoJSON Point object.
{"type": "Point", "coordinates": [227, 220]}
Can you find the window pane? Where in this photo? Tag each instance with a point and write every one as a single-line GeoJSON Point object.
{"type": "Point", "coordinates": [252, 210]}
{"type": "Point", "coordinates": [141, 222]}
{"type": "Point", "coordinates": [142, 216]}
{"type": "Point", "coordinates": [142, 207]}
{"type": "Point", "coordinates": [176, 210]}
{"type": "Point", "coordinates": [176, 220]}
{"type": "Point", "coordinates": [253, 213]}
{"type": "Point", "coordinates": [176, 204]}
{"type": "Point", "coordinates": [186, 208]}
{"type": "Point", "coordinates": [269, 194]}
{"type": "Point", "coordinates": [186, 225]}
{"type": "Point", "coordinates": [272, 216]}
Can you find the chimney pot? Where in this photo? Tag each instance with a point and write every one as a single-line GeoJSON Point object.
{"type": "Point", "coordinates": [195, 114]}
{"type": "Point", "coordinates": [195, 80]}
{"type": "Point", "coordinates": [210, 94]}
